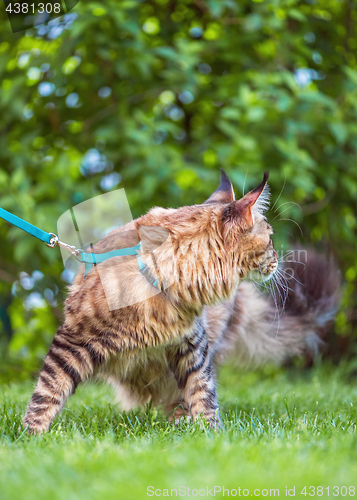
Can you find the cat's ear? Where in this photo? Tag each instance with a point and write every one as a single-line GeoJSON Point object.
{"type": "Point", "coordinates": [256, 201]}
{"type": "Point", "coordinates": [225, 193]}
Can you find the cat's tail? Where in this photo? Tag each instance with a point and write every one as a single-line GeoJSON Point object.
{"type": "Point", "coordinates": [291, 320]}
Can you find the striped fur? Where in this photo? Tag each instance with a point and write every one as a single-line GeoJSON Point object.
{"type": "Point", "coordinates": [156, 350]}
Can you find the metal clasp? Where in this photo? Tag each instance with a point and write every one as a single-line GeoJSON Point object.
{"type": "Point", "coordinates": [54, 242]}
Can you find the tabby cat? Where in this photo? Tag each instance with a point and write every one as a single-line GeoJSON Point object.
{"type": "Point", "coordinates": [165, 349]}
{"type": "Point", "coordinates": [157, 349]}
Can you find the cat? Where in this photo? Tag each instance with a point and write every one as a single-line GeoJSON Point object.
{"type": "Point", "coordinates": [158, 349]}
{"type": "Point", "coordinates": [168, 348]}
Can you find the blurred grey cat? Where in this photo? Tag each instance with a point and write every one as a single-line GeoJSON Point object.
{"type": "Point", "coordinates": [254, 329]}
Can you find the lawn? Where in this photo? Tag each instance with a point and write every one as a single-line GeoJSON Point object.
{"type": "Point", "coordinates": [282, 429]}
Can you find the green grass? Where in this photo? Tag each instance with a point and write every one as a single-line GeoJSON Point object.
{"type": "Point", "coordinates": [282, 429]}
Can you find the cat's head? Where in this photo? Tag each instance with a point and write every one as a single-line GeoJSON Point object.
{"type": "Point", "coordinates": [245, 230]}
{"type": "Point", "coordinates": [219, 241]}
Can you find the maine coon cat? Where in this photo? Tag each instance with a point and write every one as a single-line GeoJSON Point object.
{"type": "Point", "coordinates": [157, 350]}
{"type": "Point", "coordinates": [166, 349]}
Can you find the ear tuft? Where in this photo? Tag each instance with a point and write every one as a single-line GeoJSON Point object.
{"type": "Point", "coordinates": [225, 193]}
{"type": "Point", "coordinates": [263, 202]}
{"type": "Point", "coordinates": [259, 198]}
{"type": "Point", "coordinates": [256, 201]}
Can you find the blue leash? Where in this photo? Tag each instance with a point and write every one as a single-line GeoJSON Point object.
{"type": "Point", "coordinates": [26, 226]}
{"type": "Point", "coordinates": [88, 259]}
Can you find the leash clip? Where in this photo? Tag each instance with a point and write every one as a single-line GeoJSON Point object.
{"type": "Point", "coordinates": [54, 242]}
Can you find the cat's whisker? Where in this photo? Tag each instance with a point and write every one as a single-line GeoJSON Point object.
{"type": "Point", "coordinates": [292, 220]}
{"type": "Point", "coordinates": [244, 309]}
{"type": "Point", "coordinates": [285, 269]}
{"type": "Point", "coordinates": [279, 313]}
{"type": "Point", "coordinates": [290, 276]}
{"type": "Point", "coordinates": [287, 253]}
{"type": "Point", "coordinates": [292, 261]}
{"type": "Point", "coordinates": [285, 258]}
{"type": "Point", "coordinates": [276, 314]}
{"type": "Point", "coordinates": [281, 291]}
{"type": "Point", "coordinates": [245, 178]}
{"type": "Point", "coordinates": [281, 213]}
{"type": "Point", "coordinates": [285, 230]}
{"type": "Point", "coordinates": [282, 281]}
{"type": "Point", "coordinates": [282, 284]}
{"type": "Point", "coordinates": [257, 285]}
{"type": "Point", "coordinates": [281, 192]}
{"type": "Point", "coordinates": [287, 277]}
{"type": "Point", "coordinates": [286, 203]}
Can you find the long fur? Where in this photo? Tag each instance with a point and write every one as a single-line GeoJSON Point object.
{"type": "Point", "coordinates": [264, 328]}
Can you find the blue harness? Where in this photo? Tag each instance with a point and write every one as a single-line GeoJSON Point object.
{"type": "Point", "coordinates": [88, 259]}
{"type": "Point", "coordinates": [91, 259]}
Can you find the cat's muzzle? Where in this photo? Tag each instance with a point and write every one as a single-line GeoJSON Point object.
{"type": "Point", "coordinates": [265, 270]}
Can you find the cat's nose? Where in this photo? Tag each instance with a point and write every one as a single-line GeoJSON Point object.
{"type": "Point", "coordinates": [276, 256]}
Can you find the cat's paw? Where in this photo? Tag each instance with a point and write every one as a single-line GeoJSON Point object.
{"type": "Point", "coordinates": [182, 418]}
{"type": "Point", "coordinates": [33, 427]}
{"type": "Point", "coordinates": [180, 414]}
{"type": "Point", "coordinates": [212, 421]}
{"type": "Point", "coordinates": [215, 423]}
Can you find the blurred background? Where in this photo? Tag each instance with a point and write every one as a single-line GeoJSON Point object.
{"type": "Point", "coordinates": [154, 97]}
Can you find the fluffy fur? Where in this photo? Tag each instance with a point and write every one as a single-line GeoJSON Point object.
{"type": "Point", "coordinates": [253, 330]}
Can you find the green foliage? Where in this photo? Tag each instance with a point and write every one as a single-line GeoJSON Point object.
{"type": "Point", "coordinates": [280, 429]}
{"type": "Point", "coordinates": [167, 92]}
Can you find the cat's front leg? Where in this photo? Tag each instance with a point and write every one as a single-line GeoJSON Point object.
{"type": "Point", "coordinates": [65, 366]}
{"type": "Point", "coordinates": [192, 367]}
